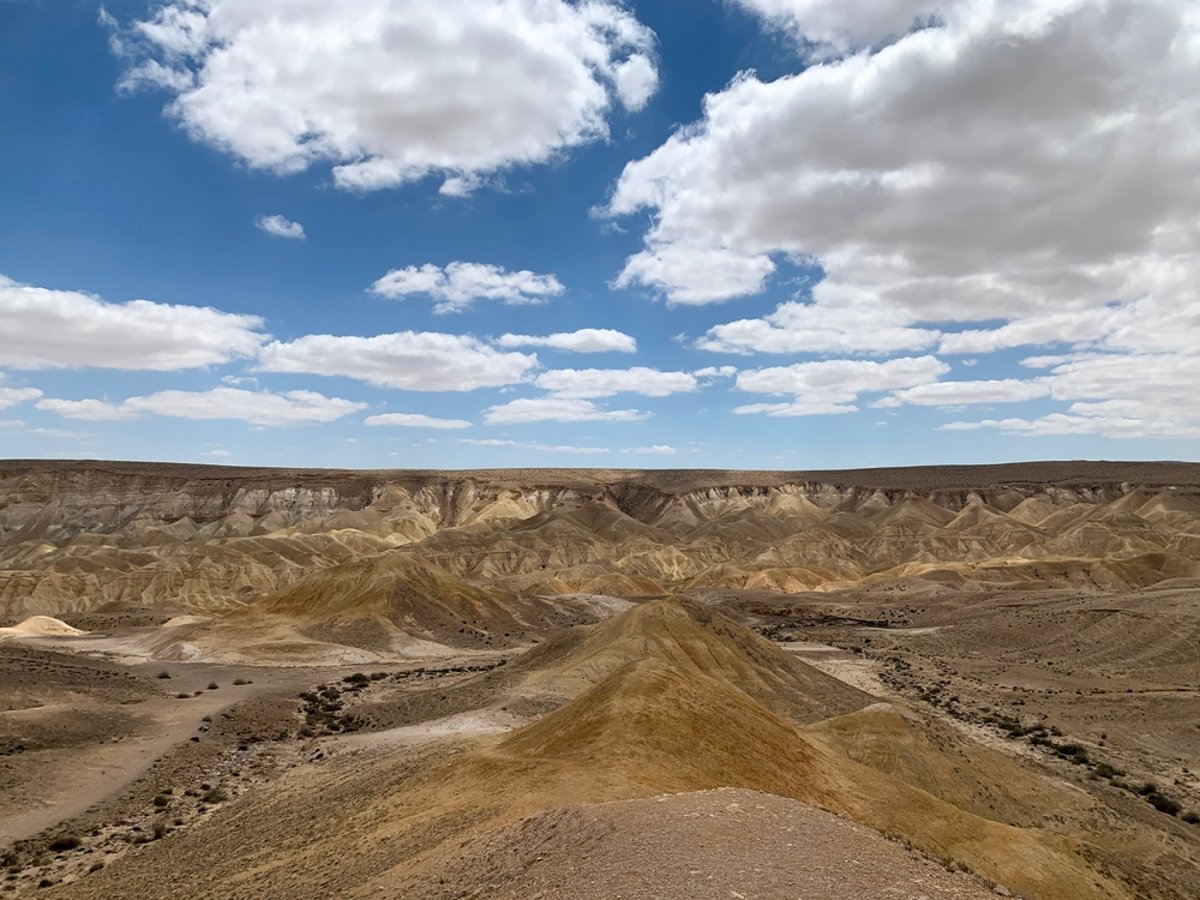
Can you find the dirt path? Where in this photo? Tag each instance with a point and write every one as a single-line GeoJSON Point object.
{"type": "Point", "coordinates": [84, 777]}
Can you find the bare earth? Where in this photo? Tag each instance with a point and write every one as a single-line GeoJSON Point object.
{"type": "Point", "coordinates": [938, 682]}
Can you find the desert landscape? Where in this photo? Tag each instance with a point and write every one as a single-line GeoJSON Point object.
{"type": "Point", "coordinates": [940, 682]}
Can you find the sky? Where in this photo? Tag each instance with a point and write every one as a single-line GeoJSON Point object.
{"type": "Point", "coordinates": [753, 234]}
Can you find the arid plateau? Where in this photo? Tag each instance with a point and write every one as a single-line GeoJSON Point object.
{"type": "Point", "coordinates": [943, 682]}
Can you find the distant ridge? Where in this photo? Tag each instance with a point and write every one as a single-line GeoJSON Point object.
{"type": "Point", "coordinates": [946, 477]}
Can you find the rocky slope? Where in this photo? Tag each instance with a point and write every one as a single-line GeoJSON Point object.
{"type": "Point", "coordinates": [78, 536]}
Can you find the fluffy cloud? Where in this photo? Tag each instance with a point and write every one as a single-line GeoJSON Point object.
{"type": "Point", "coordinates": [392, 91]}
{"type": "Point", "coordinates": [459, 283]}
{"type": "Point", "coordinates": [593, 383]}
{"type": "Point", "coordinates": [556, 409]}
{"type": "Point", "coordinates": [410, 360]}
{"type": "Point", "coordinates": [1029, 164]}
{"type": "Point", "coordinates": [836, 27]}
{"type": "Point", "coordinates": [585, 340]}
{"type": "Point", "coordinates": [964, 393]}
{"type": "Point", "coordinates": [830, 324]}
{"type": "Point", "coordinates": [1108, 395]}
{"type": "Point", "coordinates": [50, 329]}
{"type": "Point", "coordinates": [831, 387]}
{"type": "Point", "coordinates": [1021, 156]}
{"type": "Point", "coordinates": [280, 227]}
{"type": "Point", "coordinates": [10, 396]}
{"type": "Point", "coordinates": [255, 407]}
{"type": "Point", "coordinates": [415, 420]}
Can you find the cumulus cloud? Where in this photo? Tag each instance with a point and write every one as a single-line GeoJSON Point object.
{"type": "Point", "coordinates": [585, 340]}
{"type": "Point", "coordinates": [415, 420]}
{"type": "Point", "coordinates": [836, 27]}
{"type": "Point", "coordinates": [391, 92]}
{"type": "Point", "coordinates": [1026, 169]}
{"type": "Point", "coordinates": [53, 329]}
{"type": "Point", "coordinates": [1118, 395]}
{"type": "Point", "coordinates": [593, 383]}
{"type": "Point", "coordinates": [965, 393]}
{"type": "Point", "coordinates": [556, 409]}
{"type": "Point", "coordinates": [456, 286]}
{"type": "Point", "coordinates": [280, 227]}
{"type": "Point", "coordinates": [832, 387]}
{"type": "Point", "coordinates": [1018, 157]}
{"type": "Point", "coordinates": [11, 396]}
{"type": "Point", "coordinates": [653, 450]}
{"type": "Point", "coordinates": [409, 360]}
{"type": "Point", "coordinates": [256, 407]}
{"type": "Point", "coordinates": [832, 323]}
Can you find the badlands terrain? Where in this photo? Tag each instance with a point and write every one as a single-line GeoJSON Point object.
{"type": "Point", "coordinates": [947, 682]}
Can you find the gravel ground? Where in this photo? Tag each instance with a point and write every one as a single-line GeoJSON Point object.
{"type": "Point", "coordinates": [725, 844]}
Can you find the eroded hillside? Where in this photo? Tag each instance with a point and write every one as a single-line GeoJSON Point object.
{"type": "Point", "coordinates": [76, 537]}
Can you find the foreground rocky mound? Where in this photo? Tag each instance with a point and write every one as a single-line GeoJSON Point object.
{"type": "Point", "coordinates": [84, 536]}
{"type": "Point", "coordinates": [677, 719]}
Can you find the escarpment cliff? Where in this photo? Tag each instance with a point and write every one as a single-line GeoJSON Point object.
{"type": "Point", "coordinates": [76, 536]}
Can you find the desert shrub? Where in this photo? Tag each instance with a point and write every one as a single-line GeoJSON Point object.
{"type": "Point", "coordinates": [1164, 804]}
{"type": "Point", "coordinates": [356, 678]}
{"type": "Point", "coordinates": [240, 681]}
{"type": "Point", "coordinates": [65, 842]}
{"type": "Point", "coordinates": [215, 795]}
{"type": "Point", "coordinates": [164, 674]}
{"type": "Point", "coordinates": [161, 800]}
{"type": "Point", "coordinates": [1191, 817]}
{"type": "Point", "coordinates": [1148, 788]}
{"type": "Point", "coordinates": [212, 685]}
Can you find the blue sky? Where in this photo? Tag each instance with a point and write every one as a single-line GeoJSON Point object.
{"type": "Point", "coordinates": [273, 233]}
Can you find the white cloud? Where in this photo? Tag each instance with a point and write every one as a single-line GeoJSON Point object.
{"type": "Point", "coordinates": [280, 227]}
{"type": "Point", "coordinates": [653, 450]}
{"type": "Point", "coordinates": [255, 407]}
{"type": "Point", "coordinates": [540, 448]}
{"type": "Point", "coordinates": [1120, 395]}
{"type": "Point", "coordinates": [93, 410]}
{"type": "Point", "coordinates": [593, 383]}
{"type": "Point", "coordinates": [839, 320]}
{"type": "Point", "coordinates": [831, 387]}
{"type": "Point", "coordinates": [220, 454]}
{"type": "Point", "coordinates": [585, 340]}
{"type": "Point", "coordinates": [556, 409]}
{"type": "Point", "coordinates": [409, 360]}
{"type": "Point", "coordinates": [1017, 158]}
{"type": "Point", "coordinates": [459, 283]}
{"type": "Point", "coordinates": [963, 393]}
{"type": "Point", "coordinates": [693, 274]}
{"type": "Point", "coordinates": [415, 420]}
{"type": "Point", "coordinates": [51, 329]}
{"type": "Point", "coordinates": [12, 396]}
{"type": "Point", "coordinates": [846, 23]}
{"type": "Point", "coordinates": [716, 372]}
{"type": "Point", "coordinates": [390, 92]}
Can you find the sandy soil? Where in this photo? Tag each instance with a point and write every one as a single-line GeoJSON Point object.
{"type": "Point", "coordinates": [709, 845]}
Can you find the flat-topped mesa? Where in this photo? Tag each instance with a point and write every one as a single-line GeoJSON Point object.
{"type": "Point", "coordinates": [80, 536]}
{"type": "Point", "coordinates": [53, 498]}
